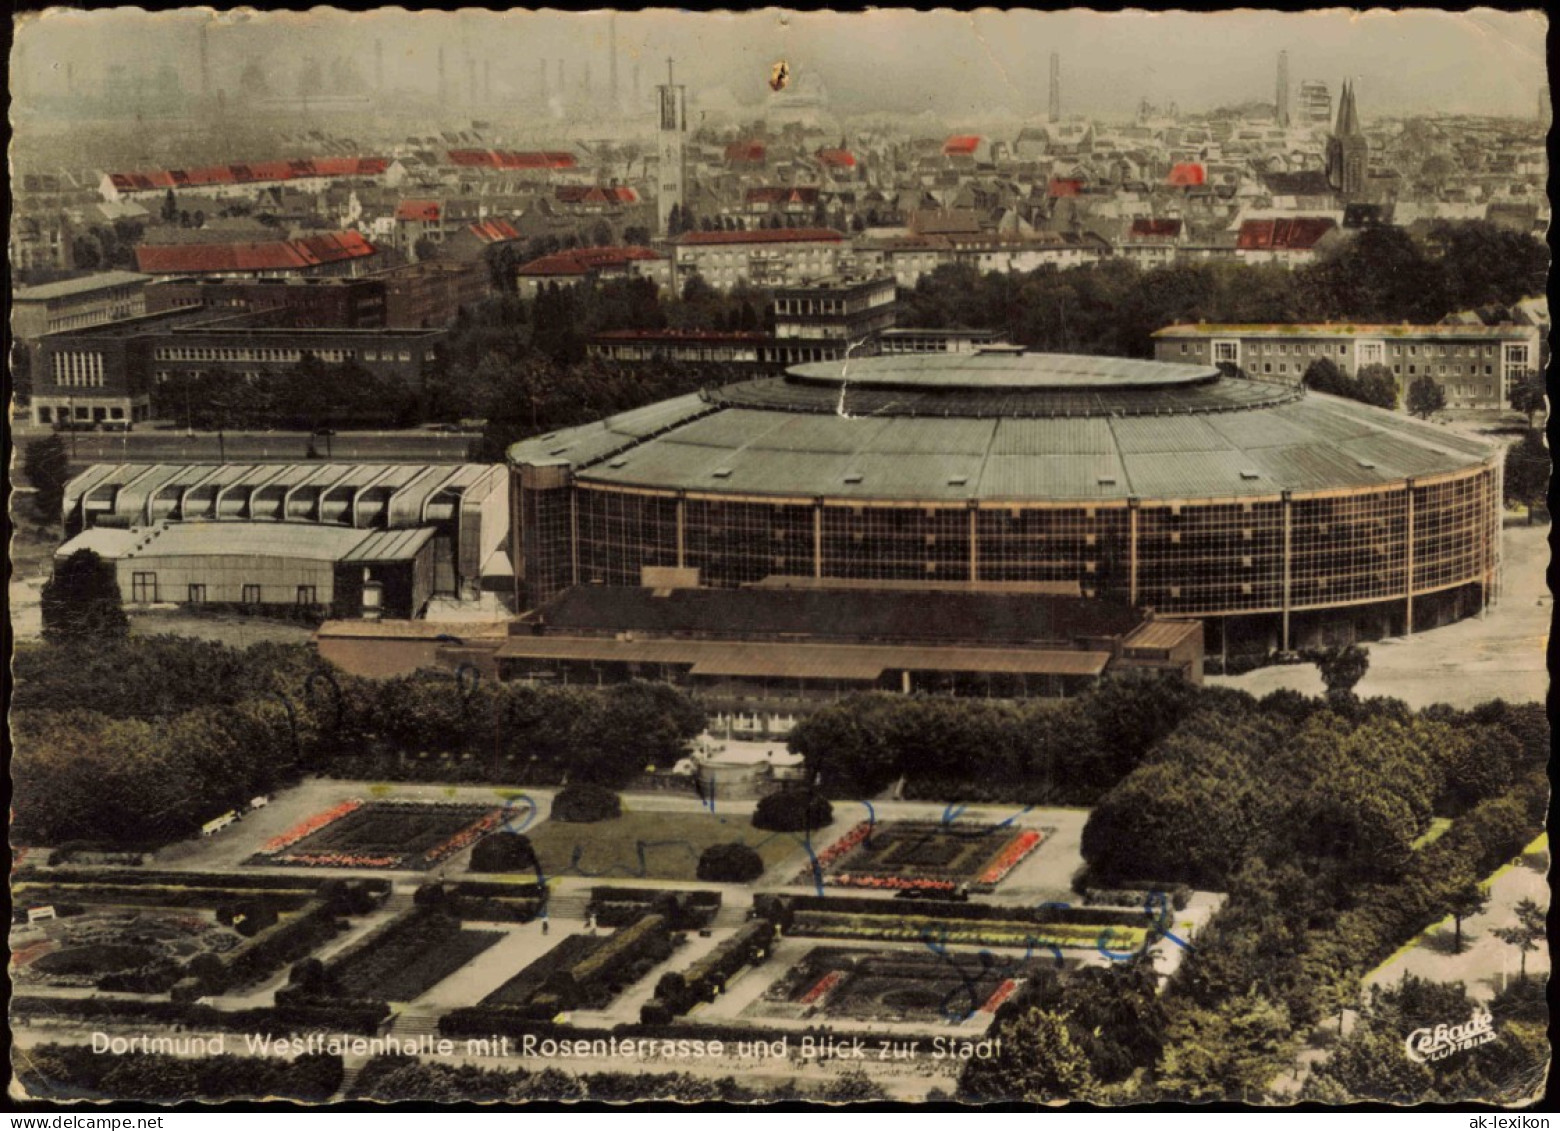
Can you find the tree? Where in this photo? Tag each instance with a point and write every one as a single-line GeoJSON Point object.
{"type": "Point", "coordinates": [1529, 395]}
{"type": "Point", "coordinates": [81, 602]}
{"type": "Point", "coordinates": [503, 852]}
{"type": "Point", "coordinates": [1425, 398]}
{"type": "Point", "coordinates": [1527, 472]}
{"type": "Point", "coordinates": [1039, 1062]}
{"type": "Point", "coordinates": [47, 465]}
{"type": "Point", "coordinates": [1342, 668]}
{"type": "Point", "coordinates": [585, 804]}
{"type": "Point", "coordinates": [1324, 376]}
{"type": "Point", "coordinates": [1465, 900]}
{"type": "Point", "coordinates": [792, 810]}
{"type": "Point", "coordinates": [730, 864]}
{"type": "Point", "coordinates": [170, 207]}
{"type": "Point", "coordinates": [1526, 934]}
{"type": "Point", "coordinates": [1375, 385]}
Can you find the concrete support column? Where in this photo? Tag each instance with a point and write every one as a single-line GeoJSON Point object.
{"type": "Point", "coordinates": [1288, 565]}
{"type": "Point", "coordinates": [681, 533]}
{"type": "Point", "coordinates": [574, 537]}
{"type": "Point", "coordinates": [818, 538]}
{"type": "Point", "coordinates": [1408, 572]}
{"type": "Point", "coordinates": [1133, 506]}
{"type": "Point", "coordinates": [974, 545]}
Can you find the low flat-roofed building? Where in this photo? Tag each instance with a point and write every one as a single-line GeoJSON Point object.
{"type": "Point", "coordinates": [783, 648]}
{"type": "Point", "coordinates": [466, 506]}
{"type": "Point", "coordinates": [340, 571]}
{"type": "Point", "coordinates": [72, 304]}
{"type": "Point", "coordinates": [909, 339]}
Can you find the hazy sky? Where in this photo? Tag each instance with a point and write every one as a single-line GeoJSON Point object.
{"type": "Point", "coordinates": [1482, 61]}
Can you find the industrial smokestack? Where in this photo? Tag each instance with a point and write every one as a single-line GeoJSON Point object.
{"type": "Point", "coordinates": [612, 61]}
{"type": "Point", "coordinates": [1281, 113]}
{"type": "Point", "coordinates": [471, 78]}
{"type": "Point", "coordinates": [379, 66]}
{"type": "Point", "coordinates": [443, 90]}
{"type": "Point", "coordinates": [205, 67]}
{"type": "Point", "coordinates": [487, 80]}
{"type": "Point", "coordinates": [1054, 110]}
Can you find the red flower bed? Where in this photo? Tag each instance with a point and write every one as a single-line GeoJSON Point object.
{"type": "Point", "coordinates": [311, 825]}
{"type": "Point", "coordinates": [338, 860]}
{"type": "Point", "coordinates": [847, 842]}
{"type": "Point", "coordinates": [1002, 993]}
{"type": "Point", "coordinates": [463, 838]}
{"type": "Point", "coordinates": [1008, 859]}
{"type": "Point", "coordinates": [822, 987]}
{"type": "Point", "coordinates": [893, 883]}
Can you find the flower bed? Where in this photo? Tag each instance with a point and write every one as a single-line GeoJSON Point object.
{"type": "Point", "coordinates": [892, 883]}
{"type": "Point", "coordinates": [311, 825]}
{"type": "Point", "coordinates": [336, 860]}
{"type": "Point", "coordinates": [1010, 856]}
{"type": "Point", "coordinates": [968, 932]}
{"type": "Point", "coordinates": [1003, 992]}
{"type": "Point", "coordinates": [822, 987]}
{"type": "Point", "coordinates": [466, 836]}
{"type": "Point", "coordinates": [840, 847]}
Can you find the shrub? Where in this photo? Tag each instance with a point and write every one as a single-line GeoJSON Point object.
{"type": "Point", "coordinates": [430, 895]}
{"type": "Point", "coordinates": [586, 803]}
{"type": "Point", "coordinates": [503, 852]}
{"type": "Point", "coordinates": [792, 811]}
{"type": "Point", "coordinates": [730, 863]}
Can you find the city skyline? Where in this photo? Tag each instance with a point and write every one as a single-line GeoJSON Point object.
{"type": "Point", "coordinates": [977, 65]}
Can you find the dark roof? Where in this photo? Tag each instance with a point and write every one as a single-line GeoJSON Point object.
{"type": "Point", "coordinates": [1307, 182]}
{"type": "Point", "coordinates": [837, 614]}
{"type": "Point", "coordinates": [1300, 233]}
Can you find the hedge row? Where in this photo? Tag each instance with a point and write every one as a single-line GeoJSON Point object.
{"type": "Point", "coordinates": [788, 906]}
{"type": "Point", "coordinates": [59, 1071]}
{"type": "Point", "coordinates": [676, 993]}
{"type": "Point", "coordinates": [275, 1022]}
{"type": "Point", "coordinates": [118, 878]}
{"type": "Point", "coordinates": [684, 910]}
{"type": "Point", "coordinates": [44, 895]}
{"type": "Point", "coordinates": [483, 1020]}
{"type": "Point", "coordinates": [287, 942]}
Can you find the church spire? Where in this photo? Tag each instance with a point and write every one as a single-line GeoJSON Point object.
{"type": "Point", "coordinates": [1348, 116]}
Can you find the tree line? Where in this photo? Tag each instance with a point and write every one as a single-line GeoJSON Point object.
{"type": "Point", "coordinates": [141, 740]}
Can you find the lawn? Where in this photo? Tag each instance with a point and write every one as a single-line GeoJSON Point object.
{"type": "Point", "coordinates": [645, 844]}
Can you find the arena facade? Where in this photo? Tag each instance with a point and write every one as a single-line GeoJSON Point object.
{"type": "Point", "coordinates": [1279, 517]}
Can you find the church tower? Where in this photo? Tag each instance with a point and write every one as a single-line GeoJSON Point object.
{"type": "Point", "coordinates": [673, 125]}
{"type": "Point", "coordinates": [1348, 153]}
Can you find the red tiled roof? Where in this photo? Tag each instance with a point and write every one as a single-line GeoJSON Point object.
{"type": "Point", "coordinates": [504, 159]}
{"type": "Point", "coordinates": [424, 211]}
{"type": "Point", "coordinates": [838, 158]}
{"type": "Point", "coordinates": [250, 172]}
{"type": "Point", "coordinates": [495, 231]}
{"type": "Point", "coordinates": [780, 194]}
{"type": "Point", "coordinates": [279, 255]}
{"type": "Point", "coordinates": [749, 152]}
{"type": "Point", "coordinates": [763, 235]}
{"type": "Point", "coordinates": [1187, 173]}
{"type": "Point", "coordinates": [1300, 233]}
{"type": "Point", "coordinates": [961, 145]}
{"type": "Point", "coordinates": [584, 260]}
{"type": "Point", "coordinates": [595, 194]}
{"type": "Point", "coordinates": [1144, 229]}
{"type": "Point", "coordinates": [1063, 186]}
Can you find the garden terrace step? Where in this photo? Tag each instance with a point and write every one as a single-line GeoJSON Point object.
{"type": "Point", "coordinates": [415, 1024]}
{"type": "Point", "coordinates": [568, 906]}
{"type": "Point", "coordinates": [730, 915]}
{"type": "Point", "coordinates": [349, 1076]}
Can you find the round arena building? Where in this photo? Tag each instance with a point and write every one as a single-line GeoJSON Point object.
{"type": "Point", "coordinates": [1281, 518]}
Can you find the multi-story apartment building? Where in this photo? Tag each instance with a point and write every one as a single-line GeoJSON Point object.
{"type": "Point", "coordinates": [832, 318]}
{"type": "Point", "coordinates": [76, 303]}
{"type": "Point", "coordinates": [339, 303]}
{"type": "Point", "coordinates": [771, 257]}
{"type": "Point", "coordinates": [1475, 365]}
{"type": "Point", "coordinates": [105, 376]}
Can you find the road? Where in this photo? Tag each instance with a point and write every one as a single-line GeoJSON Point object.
{"type": "Point", "coordinates": [171, 445]}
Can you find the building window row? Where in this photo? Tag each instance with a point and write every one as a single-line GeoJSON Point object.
{"type": "Point", "coordinates": [77, 369]}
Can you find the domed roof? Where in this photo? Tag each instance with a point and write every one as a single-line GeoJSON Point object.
{"type": "Point", "coordinates": [1003, 427]}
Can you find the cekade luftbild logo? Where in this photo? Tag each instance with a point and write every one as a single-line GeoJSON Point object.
{"type": "Point", "coordinates": [1427, 1044]}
